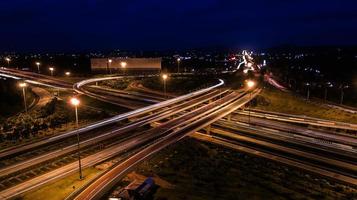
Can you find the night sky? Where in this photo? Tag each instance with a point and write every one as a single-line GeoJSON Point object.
{"type": "Point", "coordinates": [74, 25]}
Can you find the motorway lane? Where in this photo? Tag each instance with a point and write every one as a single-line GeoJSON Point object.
{"type": "Point", "coordinates": [111, 133]}
{"type": "Point", "coordinates": [99, 187]}
{"type": "Point", "coordinates": [299, 119]}
{"type": "Point", "coordinates": [132, 114]}
{"type": "Point", "coordinates": [37, 78]}
{"type": "Point", "coordinates": [105, 154]}
{"type": "Point", "coordinates": [349, 168]}
{"type": "Point", "coordinates": [290, 128]}
{"type": "Point", "coordinates": [310, 144]}
{"type": "Point", "coordinates": [256, 152]}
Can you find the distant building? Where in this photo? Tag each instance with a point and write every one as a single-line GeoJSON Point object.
{"type": "Point", "coordinates": [126, 65]}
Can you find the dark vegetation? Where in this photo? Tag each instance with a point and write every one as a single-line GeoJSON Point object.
{"type": "Point", "coordinates": [119, 84]}
{"type": "Point", "coordinates": [205, 171]}
{"type": "Point", "coordinates": [179, 85]}
{"type": "Point", "coordinates": [52, 115]}
{"type": "Point", "coordinates": [11, 99]}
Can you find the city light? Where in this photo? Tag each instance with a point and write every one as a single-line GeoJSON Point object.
{"type": "Point", "coordinates": [38, 66]}
{"type": "Point", "coordinates": [250, 84]}
{"type": "Point", "coordinates": [75, 101]}
{"type": "Point", "coordinates": [51, 70]}
{"type": "Point", "coordinates": [23, 85]}
{"type": "Point", "coordinates": [164, 76]}
{"type": "Point", "coordinates": [8, 61]}
{"type": "Point", "coordinates": [68, 73]}
{"type": "Point", "coordinates": [123, 64]}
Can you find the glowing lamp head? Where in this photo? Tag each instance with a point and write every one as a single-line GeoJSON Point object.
{"type": "Point", "coordinates": [250, 84]}
{"type": "Point", "coordinates": [23, 84]}
{"type": "Point", "coordinates": [123, 64]}
{"type": "Point", "coordinates": [164, 76]}
{"type": "Point", "coordinates": [8, 59]}
{"type": "Point", "coordinates": [110, 60]}
{"type": "Point", "coordinates": [75, 101]}
{"type": "Point", "coordinates": [68, 73]}
{"type": "Point", "coordinates": [51, 68]}
{"type": "Point", "coordinates": [178, 59]}
{"type": "Point", "coordinates": [38, 63]}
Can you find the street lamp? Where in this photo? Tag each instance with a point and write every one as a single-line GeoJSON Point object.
{"type": "Point", "coordinates": [23, 85]}
{"type": "Point", "coordinates": [178, 65]}
{"type": "Point", "coordinates": [51, 70]}
{"type": "Point", "coordinates": [164, 77]}
{"type": "Point", "coordinates": [328, 85]}
{"type": "Point", "coordinates": [67, 73]}
{"type": "Point", "coordinates": [38, 66]}
{"type": "Point", "coordinates": [308, 91]}
{"type": "Point", "coordinates": [109, 65]}
{"type": "Point", "coordinates": [8, 61]}
{"type": "Point", "coordinates": [75, 102]}
{"type": "Point", "coordinates": [342, 92]}
{"type": "Point", "coordinates": [250, 85]}
{"type": "Point", "coordinates": [123, 66]}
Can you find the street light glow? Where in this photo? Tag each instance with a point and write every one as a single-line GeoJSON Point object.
{"type": "Point", "coordinates": [23, 84]}
{"type": "Point", "coordinates": [68, 73]}
{"type": "Point", "coordinates": [51, 69]}
{"type": "Point", "coordinates": [250, 84]}
{"type": "Point", "coordinates": [110, 60]}
{"type": "Point", "coordinates": [75, 101]}
{"type": "Point", "coordinates": [123, 64]}
{"type": "Point", "coordinates": [7, 59]}
{"type": "Point", "coordinates": [38, 63]}
{"type": "Point", "coordinates": [164, 76]}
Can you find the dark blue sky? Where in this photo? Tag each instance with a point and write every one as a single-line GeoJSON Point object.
{"type": "Point", "coordinates": [74, 25]}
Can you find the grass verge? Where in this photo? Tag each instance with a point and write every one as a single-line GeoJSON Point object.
{"type": "Point", "coordinates": [62, 188]}
{"type": "Point", "coordinates": [273, 100]}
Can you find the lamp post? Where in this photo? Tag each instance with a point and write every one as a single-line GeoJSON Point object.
{"type": "Point", "coordinates": [178, 65]}
{"type": "Point", "coordinates": [38, 66]}
{"type": "Point", "coordinates": [328, 85]}
{"type": "Point", "coordinates": [8, 61]}
{"type": "Point", "coordinates": [342, 92]}
{"type": "Point", "coordinates": [123, 66]}
{"type": "Point", "coordinates": [250, 85]}
{"type": "Point", "coordinates": [308, 91]}
{"type": "Point", "coordinates": [164, 77]}
{"type": "Point", "coordinates": [75, 102]}
{"type": "Point", "coordinates": [23, 86]}
{"type": "Point", "coordinates": [109, 65]}
{"type": "Point", "coordinates": [51, 70]}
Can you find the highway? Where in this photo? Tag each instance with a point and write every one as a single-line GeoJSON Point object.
{"type": "Point", "coordinates": [133, 136]}
{"type": "Point", "coordinates": [202, 117]}
{"type": "Point", "coordinates": [104, 135]}
{"type": "Point", "coordinates": [174, 103]}
{"type": "Point", "coordinates": [300, 119]}
{"type": "Point", "coordinates": [35, 78]}
{"type": "Point", "coordinates": [271, 156]}
{"type": "Point", "coordinates": [303, 131]}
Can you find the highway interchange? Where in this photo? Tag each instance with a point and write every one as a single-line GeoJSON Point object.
{"type": "Point", "coordinates": [211, 114]}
